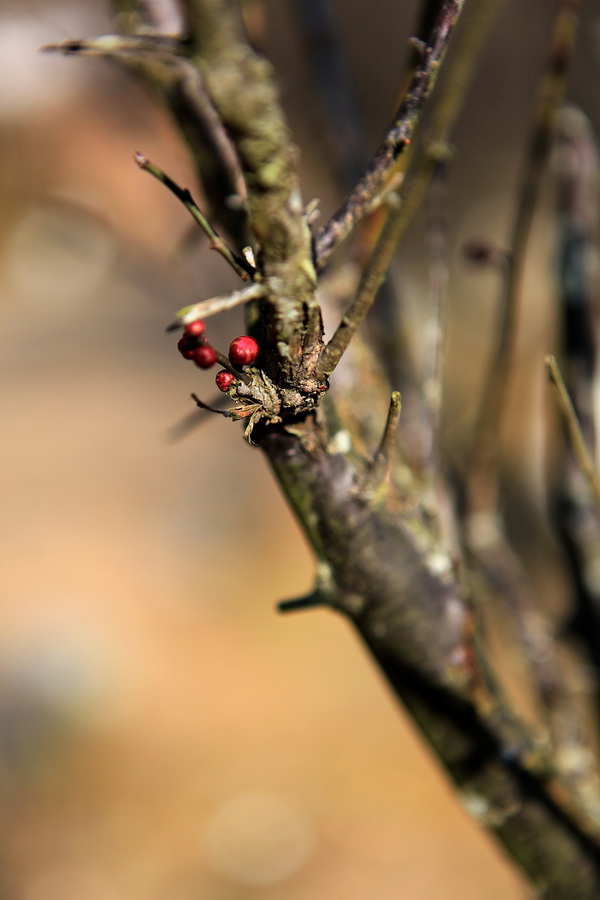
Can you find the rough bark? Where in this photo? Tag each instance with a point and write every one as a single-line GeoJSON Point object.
{"type": "Point", "coordinates": [420, 630]}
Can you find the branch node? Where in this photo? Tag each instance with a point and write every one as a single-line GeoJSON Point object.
{"type": "Point", "coordinates": [310, 601]}
{"type": "Point", "coordinates": [202, 405]}
{"type": "Point", "coordinates": [575, 433]}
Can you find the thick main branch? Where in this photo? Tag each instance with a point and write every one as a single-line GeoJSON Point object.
{"type": "Point", "coordinates": [413, 617]}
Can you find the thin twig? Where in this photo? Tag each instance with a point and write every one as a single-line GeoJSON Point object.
{"type": "Point", "coordinates": [237, 263]}
{"type": "Point", "coordinates": [397, 139]}
{"type": "Point", "coordinates": [332, 82]}
{"type": "Point", "coordinates": [214, 305]}
{"type": "Point", "coordinates": [402, 206]}
{"type": "Point", "coordinates": [382, 459]}
{"type": "Point", "coordinates": [551, 92]}
{"type": "Point", "coordinates": [370, 281]}
{"type": "Point", "coordinates": [134, 46]}
{"type": "Point", "coordinates": [578, 526]}
{"type": "Point", "coordinates": [297, 604]}
{"type": "Point", "coordinates": [577, 189]}
{"type": "Point", "coordinates": [437, 325]}
{"type": "Point", "coordinates": [192, 420]}
{"type": "Point", "coordinates": [188, 96]}
{"type": "Point", "coordinates": [576, 437]}
{"type": "Point", "coordinates": [199, 403]}
{"type": "Point", "coordinates": [503, 575]}
{"type": "Point", "coordinates": [193, 89]}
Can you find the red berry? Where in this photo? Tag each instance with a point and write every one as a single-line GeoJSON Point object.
{"type": "Point", "coordinates": [243, 350]}
{"type": "Point", "coordinates": [205, 356]}
{"type": "Point", "coordinates": [195, 329]}
{"type": "Point", "coordinates": [187, 347]}
{"type": "Point", "coordinates": [224, 380]}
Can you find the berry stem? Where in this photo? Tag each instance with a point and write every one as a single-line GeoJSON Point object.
{"type": "Point", "coordinates": [224, 361]}
{"type": "Point", "coordinates": [198, 402]}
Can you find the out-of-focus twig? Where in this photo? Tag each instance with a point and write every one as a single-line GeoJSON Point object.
{"type": "Point", "coordinates": [135, 46]}
{"type": "Point", "coordinates": [397, 139]}
{"type": "Point", "coordinates": [202, 112]}
{"type": "Point", "coordinates": [382, 459]}
{"type": "Point", "coordinates": [215, 305]}
{"type": "Point", "coordinates": [332, 84]}
{"type": "Point", "coordinates": [574, 429]}
{"type": "Point", "coordinates": [402, 205]}
{"type": "Point", "coordinates": [164, 62]}
{"type": "Point", "coordinates": [483, 458]}
{"type": "Point", "coordinates": [578, 194]}
{"type": "Point", "coordinates": [436, 326]}
{"type": "Point", "coordinates": [487, 545]}
{"type": "Point", "coordinates": [199, 416]}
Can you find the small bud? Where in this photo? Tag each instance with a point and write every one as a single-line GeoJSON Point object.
{"type": "Point", "coordinates": [249, 256]}
{"type": "Point", "coordinates": [484, 253]}
{"type": "Point", "coordinates": [224, 380]}
{"type": "Point", "coordinates": [195, 329]}
{"type": "Point", "coordinates": [243, 350]}
{"type": "Point", "coordinates": [187, 347]}
{"type": "Point", "coordinates": [205, 356]}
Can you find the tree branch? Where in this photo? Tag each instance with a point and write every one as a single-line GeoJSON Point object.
{"type": "Point", "coordinates": [582, 454]}
{"type": "Point", "coordinates": [413, 616]}
{"type": "Point", "coordinates": [551, 91]}
{"type": "Point", "coordinates": [403, 203]}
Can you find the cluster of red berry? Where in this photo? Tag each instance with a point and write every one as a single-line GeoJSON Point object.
{"type": "Point", "coordinates": [194, 346]}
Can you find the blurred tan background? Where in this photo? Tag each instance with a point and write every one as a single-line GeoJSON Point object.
{"type": "Point", "coordinates": [163, 733]}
